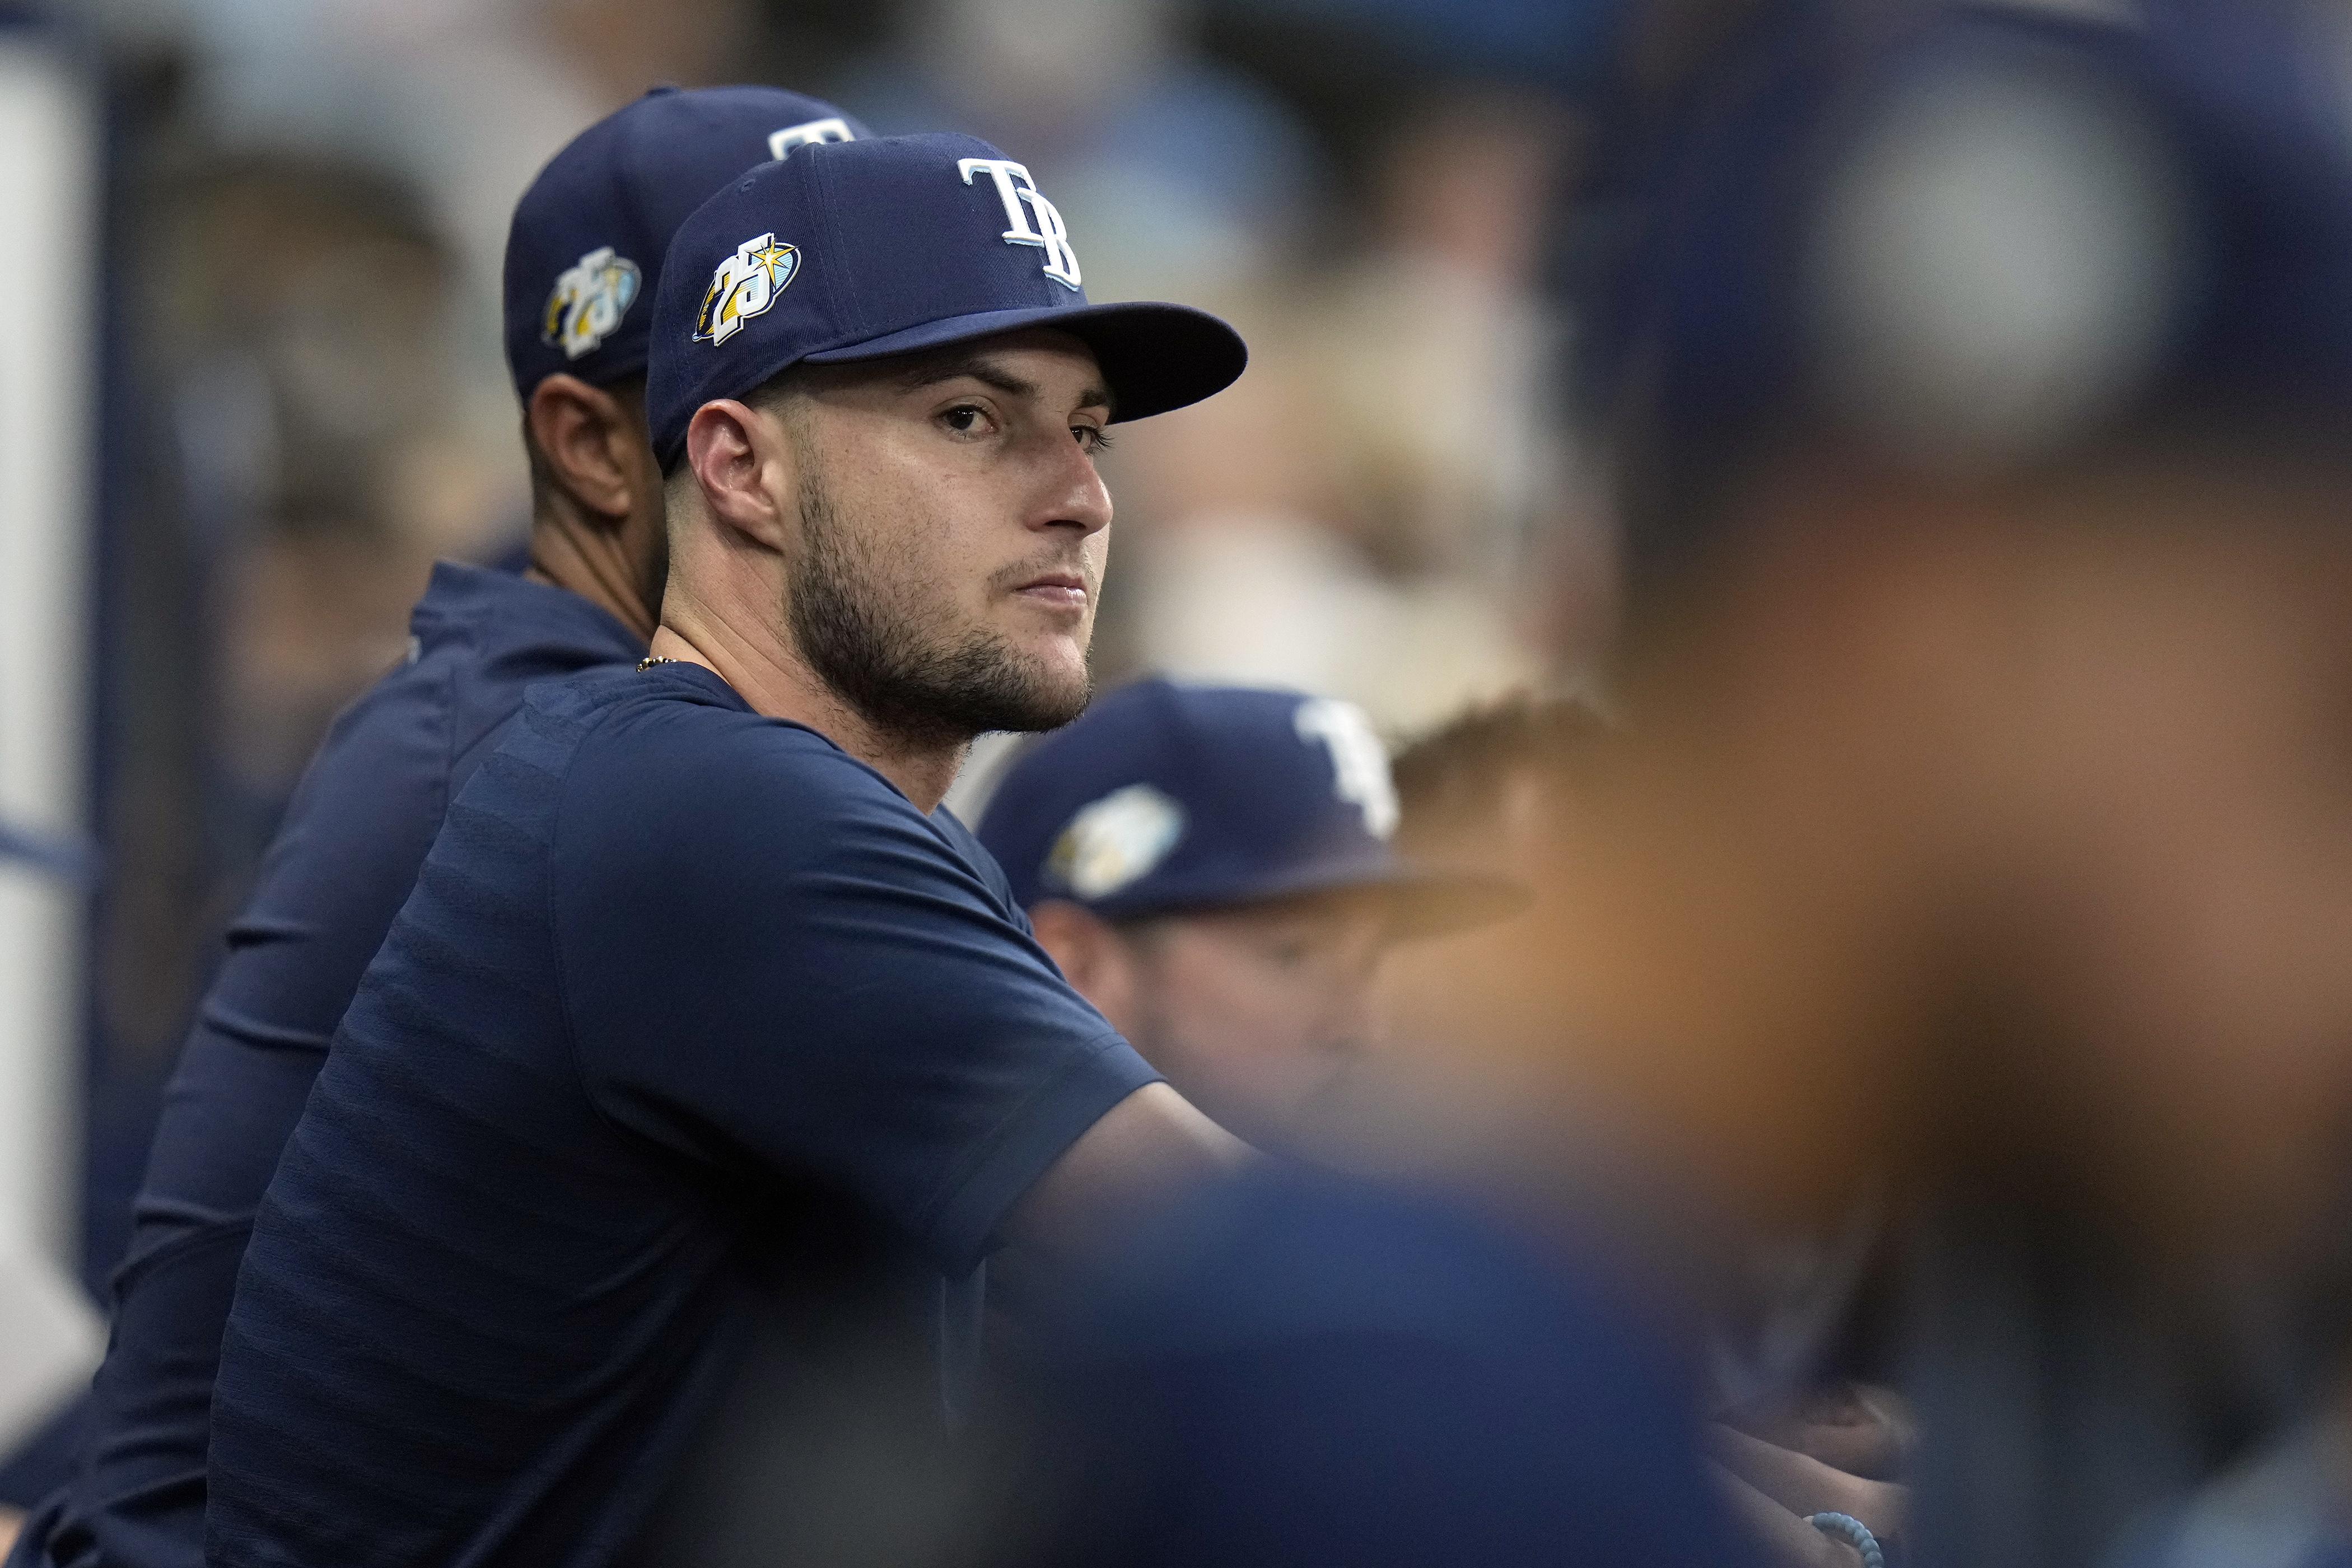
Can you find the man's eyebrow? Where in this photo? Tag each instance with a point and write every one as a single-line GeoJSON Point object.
{"type": "Point", "coordinates": [993, 375]}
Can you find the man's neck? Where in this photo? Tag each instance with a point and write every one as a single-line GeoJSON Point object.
{"type": "Point", "coordinates": [779, 684]}
{"type": "Point", "coordinates": [565, 555]}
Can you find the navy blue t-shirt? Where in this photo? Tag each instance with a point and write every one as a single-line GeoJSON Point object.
{"type": "Point", "coordinates": [342, 864]}
{"type": "Point", "coordinates": [693, 1024]}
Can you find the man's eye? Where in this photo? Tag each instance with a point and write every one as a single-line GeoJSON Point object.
{"type": "Point", "coordinates": [965, 418]}
{"type": "Point", "coordinates": [1093, 437]}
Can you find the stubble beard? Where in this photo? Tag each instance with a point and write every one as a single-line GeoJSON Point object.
{"type": "Point", "coordinates": [873, 648]}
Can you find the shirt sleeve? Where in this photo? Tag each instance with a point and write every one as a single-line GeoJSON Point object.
{"type": "Point", "coordinates": [770, 959]}
{"type": "Point", "coordinates": [1000, 886]}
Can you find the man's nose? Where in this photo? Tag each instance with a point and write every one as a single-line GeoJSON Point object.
{"type": "Point", "coordinates": [1075, 497]}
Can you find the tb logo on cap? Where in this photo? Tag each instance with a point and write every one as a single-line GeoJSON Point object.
{"type": "Point", "coordinates": [1049, 234]}
{"type": "Point", "coordinates": [1359, 763]}
{"type": "Point", "coordinates": [746, 284]}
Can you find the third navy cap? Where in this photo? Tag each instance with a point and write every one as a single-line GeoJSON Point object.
{"type": "Point", "coordinates": [1167, 796]}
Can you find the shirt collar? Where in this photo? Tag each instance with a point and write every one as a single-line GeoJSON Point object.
{"type": "Point", "coordinates": [505, 609]}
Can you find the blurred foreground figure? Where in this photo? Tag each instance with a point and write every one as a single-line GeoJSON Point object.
{"type": "Point", "coordinates": [1211, 867]}
{"type": "Point", "coordinates": [1505, 788]}
{"type": "Point", "coordinates": [1980, 388]}
{"type": "Point", "coordinates": [1982, 395]}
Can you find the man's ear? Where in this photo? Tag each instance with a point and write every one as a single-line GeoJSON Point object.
{"type": "Point", "coordinates": [586, 438]}
{"type": "Point", "coordinates": [1097, 962]}
{"type": "Point", "coordinates": [738, 456]}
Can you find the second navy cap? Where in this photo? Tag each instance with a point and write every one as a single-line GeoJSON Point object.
{"type": "Point", "coordinates": [584, 251]}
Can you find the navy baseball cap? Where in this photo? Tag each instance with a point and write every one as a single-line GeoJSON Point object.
{"type": "Point", "coordinates": [857, 251]}
{"type": "Point", "coordinates": [584, 252]}
{"type": "Point", "coordinates": [1165, 797]}
{"type": "Point", "coordinates": [1979, 238]}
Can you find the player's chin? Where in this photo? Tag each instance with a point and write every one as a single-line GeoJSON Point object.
{"type": "Point", "coordinates": [1058, 684]}
{"type": "Point", "coordinates": [1065, 683]}
{"type": "Point", "coordinates": [1057, 649]}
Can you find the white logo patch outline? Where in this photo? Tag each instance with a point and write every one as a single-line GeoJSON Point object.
{"type": "Point", "coordinates": [1022, 201]}
{"type": "Point", "coordinates": [589, 300]}
{"type": "Point", "coordinates": [1116, 840]}
{"type": "Point", "coordinates": [808, 133]}
{"type": "Point", "coordinates": [1359, 761]}
{"type": "Point", "coordinates": [744, 285]}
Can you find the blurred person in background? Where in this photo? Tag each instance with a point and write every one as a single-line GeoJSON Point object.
{"type": "Point", "coordinates": [588, 238]}
{"type": "Point", "coordinates": [1486, 793]}
{"type": "Point", "coordinates": [1211, 867]}
{"type": "Point", "coordinates": [1979, 388]}
{"type": "Point", "coordinates": [306, 331]}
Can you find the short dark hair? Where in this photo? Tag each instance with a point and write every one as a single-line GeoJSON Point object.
{"type": "Point", "coordinates": [1460, 769]}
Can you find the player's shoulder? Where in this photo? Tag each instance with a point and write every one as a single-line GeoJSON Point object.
{"type": "Point", "coordinates": [957, 832]}
{"type": "Point", "coordinates": [477, 637]}
{"type": "Point", "coordinates": [496, 633]}
{"type": "Point", "coordinates": [388, 748]}
{"type": "Point", "coordinates": [668, 765]}
{"type": "Point", "coordinates": [680, 728]}
{"type": "Point", "coordinates": [983, 863]}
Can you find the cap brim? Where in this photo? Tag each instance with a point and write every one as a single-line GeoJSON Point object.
{"type": "Point", "coordinates": [1419, 901]}
{"type": "Point", "coordinates": [1154, 357]}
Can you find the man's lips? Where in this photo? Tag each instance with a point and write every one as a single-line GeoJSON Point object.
{"type": "Point", "coordinates": [1063, 590]}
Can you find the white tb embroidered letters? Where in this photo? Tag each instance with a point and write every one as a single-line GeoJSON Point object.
{"type": "Point", "coordinates": [1022, 202]}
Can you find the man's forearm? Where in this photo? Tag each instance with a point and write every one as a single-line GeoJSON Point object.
{"type": "Point", "coordinates": [1148, 1151]}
